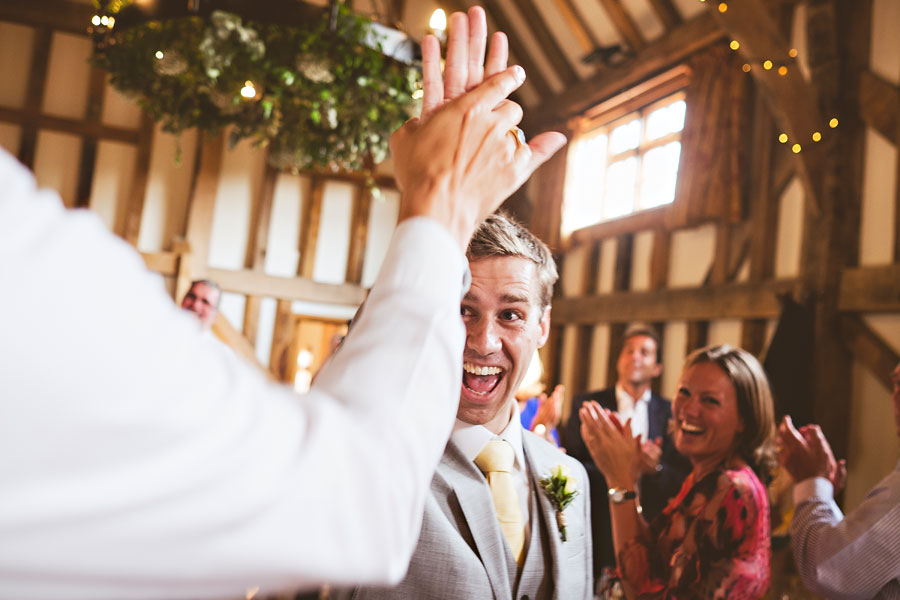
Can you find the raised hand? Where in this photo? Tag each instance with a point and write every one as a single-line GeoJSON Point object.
{"type": "Point", "coordinates": [549, 409]}
{"type": "Point", "coordinates": [806, 453]}
{"type": "Point", "coordinates": [651, 453]}
{"type": "Point", "coordinates": [611, 444]}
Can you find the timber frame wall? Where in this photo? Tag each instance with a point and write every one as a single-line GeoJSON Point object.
{"type": "Point", "coordinates": [188, 257]}
{"type": "Point", "coordinates": [841, 290]}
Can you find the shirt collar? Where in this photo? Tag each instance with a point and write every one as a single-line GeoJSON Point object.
{"type": "Point", "coordinates": [470, 439]}
{"type": "Point", "coordinates": [620, 391]}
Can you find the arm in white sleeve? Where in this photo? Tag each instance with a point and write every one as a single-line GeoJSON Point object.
{"type": "Point", "coordinates": [852, 556]}
{"type": "Point", "coordinates": [140, 460]}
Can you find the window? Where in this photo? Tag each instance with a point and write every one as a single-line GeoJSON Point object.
{"type": "Point", "coordinates": [620, 164]}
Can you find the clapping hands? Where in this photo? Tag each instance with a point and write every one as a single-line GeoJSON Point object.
{"type": "Point", "coordinates": [805, 453]}
{"type": "Point", "coordinates": [615, 450]}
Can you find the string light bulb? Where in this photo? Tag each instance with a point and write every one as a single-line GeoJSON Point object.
{"type": "Point", "coordinates": [734, 45]}
{"type": "Point", "coordinates": [438, 21]}
{"type": "Point", "coordinates": [793, 53]}
{"type": "Point", "coordinates": [745, 67]}
{"type": "Point", "coordinates": [796, 148]}
{"type": "Point", "coordinates": [249, 90]}
{"type": "Point", "coordinates": [833, 122]}
{"type": "Point", "coordinates": [816, 136]}
{"type": "Point", "coordinates": [104, 20]}
{"type": "Point", "coordinates": [723, 7]}
{"type": "Point", "coordinates": [782, 70]}
{"type": "Point", "coordinates": [159, 55]}
{"type": "Point", "coordinates": [418, 94]}
{"type": "Point", "coordinates": [767, 65]}
{"type": "Point", "coordinates": [783, 138]}
{"type": "Point", "coordinates": [95, 20]}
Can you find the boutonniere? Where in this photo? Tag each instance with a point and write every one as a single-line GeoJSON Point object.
{"type": "Point", "coordinates": [560, 488]}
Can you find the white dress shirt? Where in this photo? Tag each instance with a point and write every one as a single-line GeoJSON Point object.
{"type": "Point", "coordinates": [139, 459]}
{"type": "Point", "coordinates": [636, 410]}
{"type": "Point", "coordinates": [471, 439]}
{"type": "Point", "coordinates": [852, 556]}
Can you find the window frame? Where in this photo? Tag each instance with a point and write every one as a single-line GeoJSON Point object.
{"type": "Point", "coordinates": [643, 99]}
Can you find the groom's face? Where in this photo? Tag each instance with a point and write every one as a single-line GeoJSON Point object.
{"type": "Point", "coordinates": [504, 326]}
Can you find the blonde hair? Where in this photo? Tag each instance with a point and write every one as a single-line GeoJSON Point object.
{"type": "Point", "coordinates": [756, 443]}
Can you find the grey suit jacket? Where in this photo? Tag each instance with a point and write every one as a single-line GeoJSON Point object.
{"type": "Point", "coordinates": [461, 551]}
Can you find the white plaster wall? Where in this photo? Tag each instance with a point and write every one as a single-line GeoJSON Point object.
{"type": "Point", "coordinates": [789, 238]}
{"type": "Point", "coordinates": [111, 186]}
{"type": "Point", "coordinates": [56, 160]}
{"type": "Point", "coordinates": [725, 331]}
{"type": "Point", "coordinates": [119, 110]}
{"type": "Point", "coordinates": [168, 189]}
{"type": "Point", "coordinates": [673, 354]}
{"type": "Point", "coordinates": [872, 452]}
{"type": "Point", "coordinates": [607, 276]}
{"type": "Point", "coordinates": [884, 50]}
{"type": "Point", "coordinates": [691, 255]}
{"type": "Point", "coordinates": [689, 8]}
{"type": "Point", "coordinates": [241, 177]}
{"type": "Point", "coordinates": [599, 358]}
{"type": "Point", "coordinates": [383, 212]}
{"type": "Point", "coordinates": [265, 330]}
{"type": "Point", "coordinates": [15, 65]}
{"type": "Point", "coordinates": [10, 135]}
{"type": "Point", "coordinates": [645, 18]}
{"type": "Point", "coordinates": [641, 252]}
{"type": "Point", "coordinates": [333, 243]}
{"type": "Point", "coordinates": [876, 235]}
{"type": "Point", "coordinates": [68, 76]}
{"type": "Point", "coordinates": [282, 251]}
{"type": "Point", "coordinates": [232, 308]}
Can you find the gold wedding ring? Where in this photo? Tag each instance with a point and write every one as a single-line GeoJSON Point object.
{"type": "Point", "coordinates": [519, 136]}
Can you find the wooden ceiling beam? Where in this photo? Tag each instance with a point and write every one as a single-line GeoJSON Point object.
{"type": "Point", "coordinates": [870, 289]}
{"type": "Point", "coordinates": [670, 49]}
{"type": "Point", "coordinates": [624, 24]}
{"type": "Point", "coordinates": [576, 22]}
{"type": "Point", "coordinates": [667, 13]}
{"type": "Point", "coordinates": [869, 348]}
{"type": "Point", "coordinates": [519, 49]}
{"type": "Point", "coordinates": [547, 41]}
{"type": "Point", "coordinates": [255, 283]}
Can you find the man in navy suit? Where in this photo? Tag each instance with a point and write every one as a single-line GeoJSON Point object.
{"type": "Point", "coordinates": [631, 397]}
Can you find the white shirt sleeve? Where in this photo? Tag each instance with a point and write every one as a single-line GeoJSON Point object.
{"type": "Point", "coordinates": [852, 556]}
{"type": "Point", "coordinates": [140, 460]}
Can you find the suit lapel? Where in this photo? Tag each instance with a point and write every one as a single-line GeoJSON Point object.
{"type": "Point", "coordinates": [475, 501]}
{"type": "Point", "coordinates": [540, 462]}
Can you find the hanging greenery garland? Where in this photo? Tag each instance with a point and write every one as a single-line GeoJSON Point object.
{"type": "Point", "coordinates": [319, 96]}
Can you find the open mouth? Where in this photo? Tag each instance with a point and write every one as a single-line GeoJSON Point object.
{"type": "Point", "coordinates": [689, 429]}
{"type": "Point", "coordinates": [481, 380]}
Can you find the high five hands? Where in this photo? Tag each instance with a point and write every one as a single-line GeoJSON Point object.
{"type": "Point", "coordinates": [457, 162]}
{"type": "Point", "coordinates": [805, 453]}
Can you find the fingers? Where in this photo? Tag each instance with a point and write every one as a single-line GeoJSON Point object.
{"type": "Point", "coordinates": [539, 150]}
{"type": "Point", "coordinates": [788, 434]}
{"type": "Point", "coordinates": [477, 42]}
{"type": "Point", "coordinates": [840, 476]}
{"type": "Point", "coordinates": [490, 93]}
{"type": "Point", "coordinates": [432, 84]}
{"type": "Point", "coordinates": [498, 55]}
{"type": "Point", "coordinates": [457, 65]}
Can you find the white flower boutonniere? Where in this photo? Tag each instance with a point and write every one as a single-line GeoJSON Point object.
{"type": "Point", "coordinates": [560, 488]}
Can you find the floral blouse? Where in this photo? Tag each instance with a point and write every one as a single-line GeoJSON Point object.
{"type": "Point", "coordinates": [711, 541]}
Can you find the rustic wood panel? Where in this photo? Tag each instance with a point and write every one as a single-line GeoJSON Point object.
{"type": "Point", "coordinates": [870, 289]}
{"type": "Point", "coordinates": [134, 208]}
{"type": "Point", "coordinates": [256, 247]}
{"type": "Point", "coordinates": [62, 15]}
{"type": "Point", "coordinates": [869, 348]}
{"type": "Point", "coordinates": [309, 226]}
{"type": "Point", "coordinates": [729, 301]}
{"type": "Point", "coordinates": [669, 50]}
{"type": "Point", "coordinates": [32, 119]}
{"type": "Point", "coordinates": [96, 89]}
{"type": "Point", "coordinates": [164, 263]}
{"type": "Point", "coordinates": [659, 259]}
{"type": "Point", "coordinates": [624, 24]}
{"type": "Point", "coordinates": [584, 334]}
{"type": "Point", "coordinates": [359, 233]}
{"type": "Point", "coordinates": [666, 12]}
{"type": "Point", "coordinates": [697, 335]}
{"type": "Point", "coordinates": [879, 104]}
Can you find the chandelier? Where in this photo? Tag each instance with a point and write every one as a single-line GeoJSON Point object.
{"type": "Point", "coordinates": [321, 87]}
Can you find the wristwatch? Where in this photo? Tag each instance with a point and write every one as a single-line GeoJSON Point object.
{"type": "Point", "coordinates": [619, 495]}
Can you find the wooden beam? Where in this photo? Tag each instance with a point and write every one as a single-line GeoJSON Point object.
{"type": "Point", "coordinates": [282, 337]}
{"type": "Point", "coordinates": [359, 233]}
{"type": "Point", "coordinates": [309, 227]}
{"type": "Point", "coordinates": [134, 208]}
{"type": "Point", "coordinates": [670, 49]}
{"type": "Point", "coordinates": [518, 48]}
{"type": "Point", "coordinates": [624, 24]}
{"type": "Point", "coordinates": [697, 336]}
{"type": "Point", "coordinates": [61, 15]}
{"type": "Point", "coordinates": [659, 259]}
{"type": "Point", "coordinates": [34, 95]}
{"type": "Point", "coordinates": [879, 104]}
{"type": "Point", "coordinates": [33, 119]}
{"type": "Point", "coordinates": [793, 100]}
{"type": "Point", "coordinates": [164, 263]}
{"type": "Point", "coordinates": [232, 338]}
{"type": "Point", "coordinates": [869, 348]}
{"type": "Point", "coordinates": [729, 301]}
{"type": "Point", "coordinates": [575, 20]}
{"type": "Point", "coordinates": [257, 245]}
{"type": "Point", "coordinates": [256, 283]}
{"type": "Point", "coordinates": [547, 41]}
{"type": "Point", "coordinates": [198, 230]}
{"type": "Point", "coordinates": [763, 201]}
{"type": "Point", "coordinates": [870, 289]}
{"type": "Point", "coordinates": [667, 13]}
{"type": "Point", "coordinates": [96, 89]}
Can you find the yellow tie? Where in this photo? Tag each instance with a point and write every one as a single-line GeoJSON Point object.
{"type": "Point", "coordinates": [496, 462]}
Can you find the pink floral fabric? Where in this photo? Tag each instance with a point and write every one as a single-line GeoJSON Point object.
{"type": "Point", "coordinates": [711, 541]}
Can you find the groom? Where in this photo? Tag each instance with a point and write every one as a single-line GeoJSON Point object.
{"type": "Point", "coordinates": [491, 529]}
